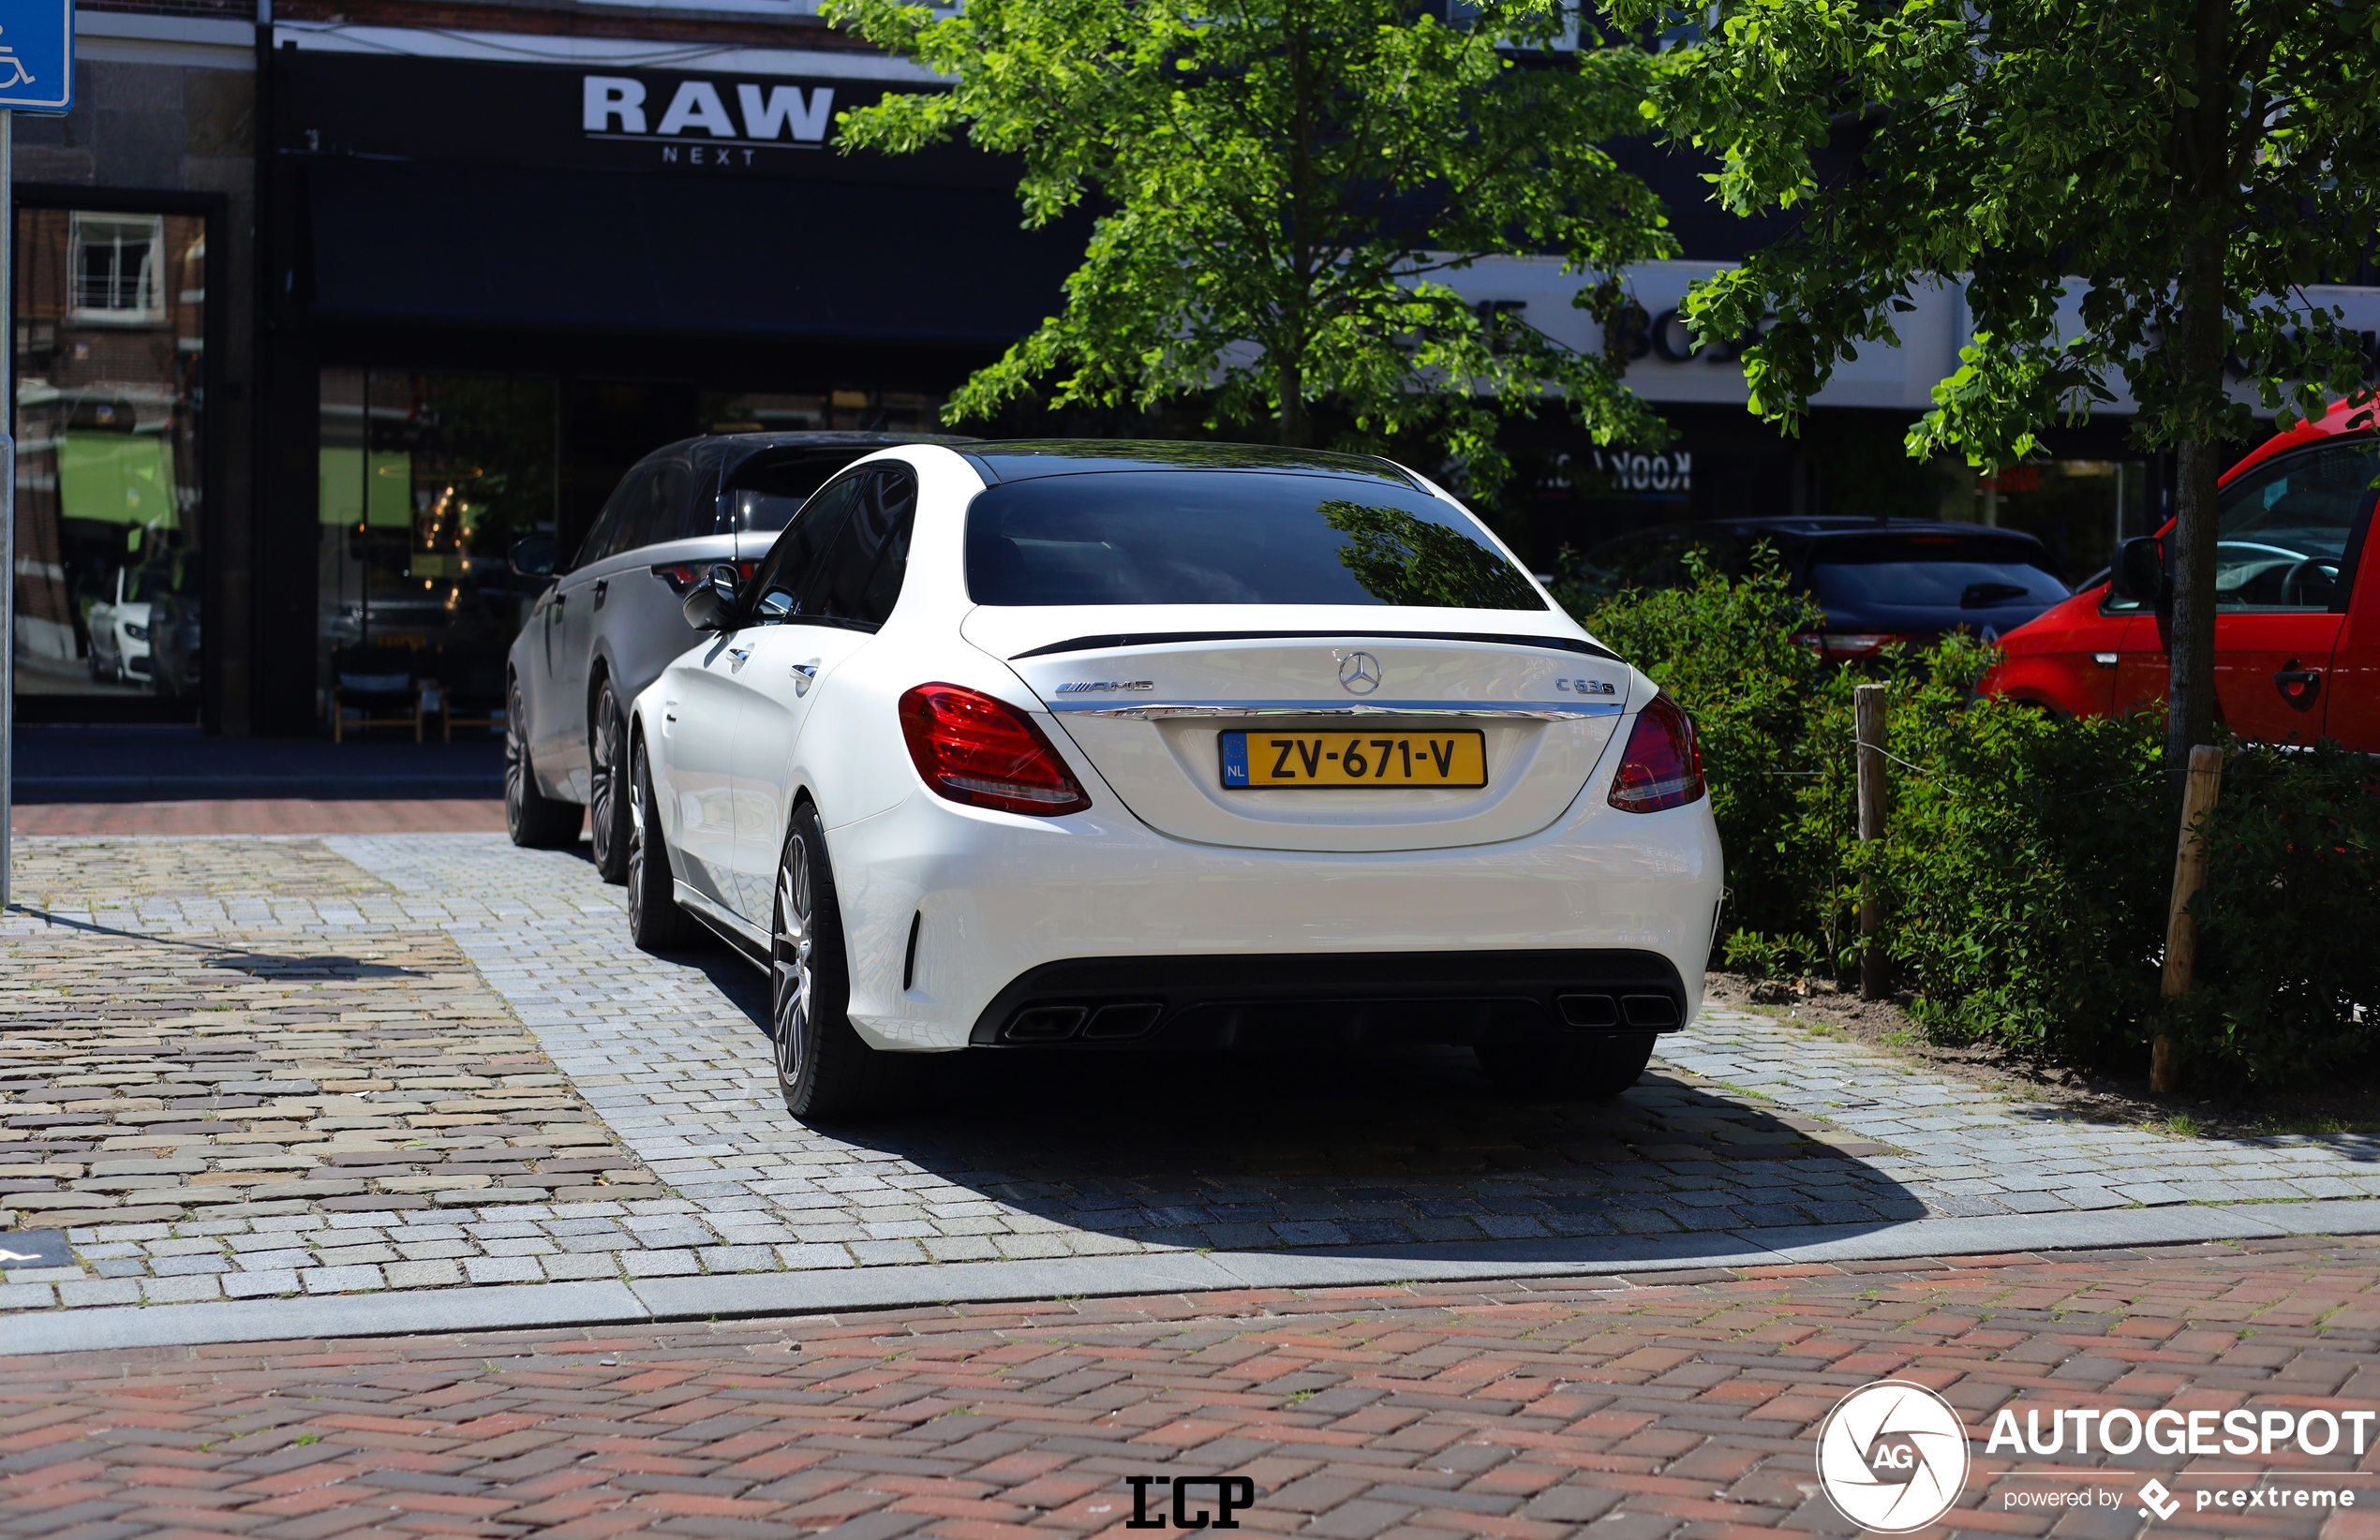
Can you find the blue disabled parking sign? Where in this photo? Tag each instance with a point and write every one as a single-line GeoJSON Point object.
{"type": "Point", "coordinates": [36, 55]}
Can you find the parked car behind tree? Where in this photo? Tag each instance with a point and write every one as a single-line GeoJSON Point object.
{"type": "Point", "coordinates": [1879, 581]}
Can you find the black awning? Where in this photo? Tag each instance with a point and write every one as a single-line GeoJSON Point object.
{"type": "Point", "coordinates": [413, 240]}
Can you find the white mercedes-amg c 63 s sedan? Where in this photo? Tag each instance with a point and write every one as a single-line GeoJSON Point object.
{"type": "Point", "coordinates": [1094, 747]}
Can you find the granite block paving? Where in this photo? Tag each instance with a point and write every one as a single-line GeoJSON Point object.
{"type": "Point", "coordinates": [249, 1066]}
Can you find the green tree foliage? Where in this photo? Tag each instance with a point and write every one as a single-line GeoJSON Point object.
{"type": "Point", "coordinates": [1281, 187]}
{"type": "Point", "coordinates": [2288, 992]}
{"type": "Point", "coordinates": [2194, 162]}
{"type": "Point", "coordinates": [2025, 862]}
{"type": "Point", "coordinates": [1401, 559]}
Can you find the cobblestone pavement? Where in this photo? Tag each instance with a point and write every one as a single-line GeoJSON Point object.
{"type": "Point", "coordinates": [261, 815]}
{"type": "Point", "coordinates": [1670, 1406]}
{"type": "Point", "coordinates": [1746, 1124]}
{"type": "Point", "coordinates": [222, 1105]}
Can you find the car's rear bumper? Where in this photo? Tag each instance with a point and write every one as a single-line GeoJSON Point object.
{"type": "Point", "coordinates": [958, 918]}
{"type": "Point", "coordinates": [1338, 1000]}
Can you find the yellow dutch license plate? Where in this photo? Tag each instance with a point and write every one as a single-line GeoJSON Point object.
{"type": "Point", "coordinates": [1390, 757]}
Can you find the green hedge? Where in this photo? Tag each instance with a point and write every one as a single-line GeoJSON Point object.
{"type": "Point", "coordinates": [2028, 859]}
{"type": "Point", "coordinates": [2288, 924]}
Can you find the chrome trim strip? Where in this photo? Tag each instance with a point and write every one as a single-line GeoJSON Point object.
{"type": "Point", "coordinates": [1127, 640]}
{"type": "Point", "coordinates": [746, 938]}
{"type": "Point", "coordinates": [1548, 711]}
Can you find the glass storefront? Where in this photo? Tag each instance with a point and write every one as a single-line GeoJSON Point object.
{"type": "Point", "coordinates": [427, 479]}
{"type": "Point", "coordinates": [426, 482]}
{"type": "Point", "coordinates": [111, 352]}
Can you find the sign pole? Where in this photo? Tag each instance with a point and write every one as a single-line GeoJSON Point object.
{"type": "Point", "coordinates": [38, 56]}
{"type": "Point", "coordinates": [8, 497]}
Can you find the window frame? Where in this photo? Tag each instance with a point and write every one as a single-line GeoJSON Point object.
{"type": "Point", "coordinates": [2358, 524]}
{"type": "Point", "coordinates": [2113, 605]}
{"type": "Point", "coordinates": [814, 506]}
{"type": "Point", "coordinates": [887, 474]}
{"type": "Point", "coordinates": [278, 693]}
{"type": "Point", "coordinates": [605, 532]}
{"type": "Point", "coordinates": [152, 278]}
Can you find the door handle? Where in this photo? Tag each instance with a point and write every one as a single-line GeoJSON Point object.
{"type": "Point", "coordinates": [2298, 687]}
{"type": "Point", "coordinates": [739, 654]}
{"type": "Point", "coordinates": [2104, 660]}
{"type": "Point", "coordinates": [602, 585]}
{"type": "Point", "coordinates": [805, 675]}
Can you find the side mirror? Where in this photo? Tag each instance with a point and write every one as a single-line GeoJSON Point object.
{"type": "Point", "coordinates": [710, 605]}
{"type": "Point", "coordinates": [2139, 572]}
{"type": "Point", "coordinates": [533, 556]}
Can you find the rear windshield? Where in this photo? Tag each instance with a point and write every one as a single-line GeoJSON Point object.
{"type": "Point", "coordinates": [1221, 536]}
{"type": "Point", "coordinates": [1933, 572]}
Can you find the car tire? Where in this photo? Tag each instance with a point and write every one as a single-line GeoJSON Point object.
{"type": "Point", "coordinates": [655, 923]}
{"type": "Point", "coordinates": [1594, 1069]}
{"type": "Point", "coordinates": [535, 821]}
{"type": "Point", "coordinates": [823, 1069]}
{"type": "Point", "coordinates": [607, 815]}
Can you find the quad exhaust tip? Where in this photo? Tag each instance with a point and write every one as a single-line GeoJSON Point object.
{"type": "Point", "coordinates": [1643, 1013]}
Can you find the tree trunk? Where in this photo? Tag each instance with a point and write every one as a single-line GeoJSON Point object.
{"type": "Point", "coordinates": [2203, 210]}
{"type": "Point", "coordinates": [1296, 427]}
{"type": "Point", "coordinates": [2190, 702]}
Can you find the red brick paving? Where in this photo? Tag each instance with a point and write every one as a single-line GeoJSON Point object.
{"type": "Point", "coordinates": [1623, 1408]}
{"type": "Point", "coordinates": [262, 816]}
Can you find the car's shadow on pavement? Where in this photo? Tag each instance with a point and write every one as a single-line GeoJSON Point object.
{"type": "Point", "coordinates": [1360, 1153]}
{"type": "Point", "coordinates": [1363, 1150]}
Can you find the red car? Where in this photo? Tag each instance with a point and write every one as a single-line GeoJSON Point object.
{"type": "Point", "coordinates": [2296, 604]}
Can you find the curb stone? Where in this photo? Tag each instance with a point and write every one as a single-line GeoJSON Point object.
{"type": "Point", "coordinates": [610, 1302]}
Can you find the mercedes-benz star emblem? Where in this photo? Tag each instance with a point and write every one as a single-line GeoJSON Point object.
{"type": "Point", "coordinates": [1359, 673]}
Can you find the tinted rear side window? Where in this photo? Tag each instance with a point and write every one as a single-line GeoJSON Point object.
{"type": "Point", "coordinates": [793, 561]}
{"type": "Point", "coordinates": [860, 579]}
{"type": "Point", "coordinates": [1224, 537]}
{"type": "Point", "coordinates": [1932, 571]}
{"type": "Point", "coordinates": [766, 490]}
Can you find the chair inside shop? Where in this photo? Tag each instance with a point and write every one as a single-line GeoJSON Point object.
{"type": "Point", "coordinates": [470, 689]}
{"type": "Point", "coordinates": [375, 686]}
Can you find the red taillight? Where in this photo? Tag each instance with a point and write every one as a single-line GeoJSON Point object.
{"type": "Point", "coordinates": [1663, 765]}
{"type": "Point", "coordinates": [986, 753]}
{"type": "Point", "coordinates": [682, 575]}
{"type": "Point", "coordinates": [1841, 646]}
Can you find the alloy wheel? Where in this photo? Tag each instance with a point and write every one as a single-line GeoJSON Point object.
{"type": "Point", "coordinates": [790, 973]}
{"type": "Point", "coordinates": [636, 821]}
{"type": "Point", "coordinates": [515, 758]}
{"type": "Point", "coordinates": [604, 790]}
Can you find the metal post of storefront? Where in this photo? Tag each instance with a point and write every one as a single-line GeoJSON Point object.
{"type": "Point", "coordinates": [8, 497]}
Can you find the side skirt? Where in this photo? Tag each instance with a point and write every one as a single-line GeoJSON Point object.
{"type": "Point", "coordinates": [733, 929]}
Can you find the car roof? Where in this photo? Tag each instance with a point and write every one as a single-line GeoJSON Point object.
{"type": "Point", "coordinates": [1822, 528]}
{"type": "Point", "coordinates": [1025, 459]}
{"type": "Point", "coordinates": [2346, 419]}
{"type": "Point", "coordinates": [725, 450]}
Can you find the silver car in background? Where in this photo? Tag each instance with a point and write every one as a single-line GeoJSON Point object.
{"type": "Point", "coordinates": [611, 619]}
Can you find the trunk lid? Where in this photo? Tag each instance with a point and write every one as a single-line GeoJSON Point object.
{"type": "Point", "coordinates": [1148, 694]}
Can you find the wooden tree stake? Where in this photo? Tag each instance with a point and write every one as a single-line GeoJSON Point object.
{"type": "Point", "coordinates": [2190, 875]}
{"type": "Point", "coordinates": [1868, 716]}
